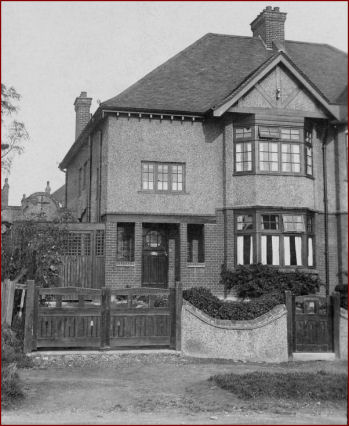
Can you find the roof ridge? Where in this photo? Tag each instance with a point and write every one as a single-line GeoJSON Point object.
{"type": "Point", "coordinates": [318, 44]}
{"type": "Point", "coordinates": [157, 68]}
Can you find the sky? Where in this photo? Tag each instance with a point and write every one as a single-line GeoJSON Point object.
{"type": "Point", "coordinates": [51, 51]}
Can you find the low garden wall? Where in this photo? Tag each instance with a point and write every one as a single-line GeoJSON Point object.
{"type": "Point", "coordinates": [263, 339]}
{"type": "Point", "coordinates": [343, 334]}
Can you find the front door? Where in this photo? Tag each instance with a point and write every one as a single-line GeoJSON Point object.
{"type": "Point", "coordinates": [155, 258]}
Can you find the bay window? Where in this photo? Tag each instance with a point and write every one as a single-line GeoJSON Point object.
{"type": "Point", "coordinates": [284, 239]}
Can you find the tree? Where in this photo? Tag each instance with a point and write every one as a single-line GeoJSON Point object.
{"type": "Point", "coordinates": [14, 133]}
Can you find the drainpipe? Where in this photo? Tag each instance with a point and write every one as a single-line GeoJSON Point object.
{"type": "Point", "coordinates": [225, 224]}
{"type": "Point", "coordinates": [324, 165]}
{"type": "Point", "coordinates": [90, 180]}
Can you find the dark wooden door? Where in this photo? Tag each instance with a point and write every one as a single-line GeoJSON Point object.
{"type": "Point", "coordinates": [155, 258]}
{"type": "Point", "coordinates": [313, 324]}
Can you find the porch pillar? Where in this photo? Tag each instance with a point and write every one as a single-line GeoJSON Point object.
{"type": "Point", "coordinates": [138, 253]}
{"type": "Point", "coordinates": [171, 262]}
{"type": "Point", "coordinates": [183, 252]}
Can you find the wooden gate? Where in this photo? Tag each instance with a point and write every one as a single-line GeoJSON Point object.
{"type": "Point", "coordinates": [68, 317]}
{"type": "Point", "coordinates": [313, 323]}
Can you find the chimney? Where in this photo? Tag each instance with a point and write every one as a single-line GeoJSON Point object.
{"type": "Point", "coordinates": [82, 108]}
{"type": "Point", "coordinates": [4, 194]}
{"type": "Point", "coordinates": [270, 26]}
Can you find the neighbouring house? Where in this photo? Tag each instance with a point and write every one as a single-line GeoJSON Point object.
{"type": "Point", "coordinates": [39, 206]}
{"type": "Point", "coordinates": [233, 151]}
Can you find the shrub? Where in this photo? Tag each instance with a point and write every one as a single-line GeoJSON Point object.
{"type": "Point", "coordinates": [343, 291]}
{"type": "Point", "coordinates": [12, 357]}
{"type": "Point", "coordinates": [257, 280]}
{"type": "Point", "coordinates": [10, 385]}
{"type": "Point", "coordinates": [203, 299]}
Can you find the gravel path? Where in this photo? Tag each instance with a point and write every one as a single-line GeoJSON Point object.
{"type": "Point", "coordinates": [155, 389]}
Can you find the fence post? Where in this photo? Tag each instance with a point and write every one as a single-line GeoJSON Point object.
{"type": "Point", "coordinates": [105, 318]}
{"type": "Point", "coordinates": [29, 317]}
{"type": "Point", "coordinates": [336, 303]}
{"type": "Point", "coordinates": [178, 316]}
{"type": "Point", "coordinates": [290, 329]}
{"type": "Point", "coordinates": [172, 307]}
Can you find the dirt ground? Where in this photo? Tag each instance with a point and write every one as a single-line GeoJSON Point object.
{"type": "Point", "coordinates": [155, 389]}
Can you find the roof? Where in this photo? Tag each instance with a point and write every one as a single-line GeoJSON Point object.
{"type": "Point", "coordinates": [207, 71]}
{"type": "Point", "coordinates": [59, 195]}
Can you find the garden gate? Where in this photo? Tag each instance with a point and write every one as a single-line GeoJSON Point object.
{"type": "Point", "coordinates": [313, 323]}
{"type": "Point", "coordinates": [105, 318]}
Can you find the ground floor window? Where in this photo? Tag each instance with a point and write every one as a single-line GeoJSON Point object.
{"type": "Point", "coordinates": [125, 241]}
{"type": "Point", "coordinates": [196, 243]}
{"type": "Point", "coordinates": [275, 238]}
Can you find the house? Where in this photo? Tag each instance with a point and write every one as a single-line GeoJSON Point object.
{"type": "Point", "coordinates": [38, 206]}
{"type": "Point", "coordinates": [233, 151]}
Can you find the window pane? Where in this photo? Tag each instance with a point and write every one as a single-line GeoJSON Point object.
{"type": "Point", "coordinates": [177, 178]}
{"type": "Point", "coordinates": [125, 241]}
{"type": "Point", "coordinates": [270, 250]}
{"type": "Point", "coordinates": [293, 223]}
{"type": "Point", "coordinates": [310, 252]}
{"type": "Point", "coordinates": [290, 158]}
{"type": "Point", "coordinates": [148, 176]}
{"type": "Point", "coordinates": [293, 251]}
{"type": "Point", "coordinates": [243, 132]}
{"type": "Point", "coordinates": [244, 250]}
{"type": "Point", "coordinates": [244, 222]}
{"type": "Point", "coordinates": [243, 157]}
{"type": "Point", "coordinates": [270, 221]}
{"type": "Point", "coordinates": [196, 243]}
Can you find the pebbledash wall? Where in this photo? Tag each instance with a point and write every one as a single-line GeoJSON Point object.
{"type": "Point", "coordinates": [122, 143]}
{"type": "Point", "coordinates": [263, 339]}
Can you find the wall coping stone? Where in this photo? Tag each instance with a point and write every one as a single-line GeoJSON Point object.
{"type": "Point", "coordinates": [344, 313]}
{"type": "Point", "coordinates": [265, 319]}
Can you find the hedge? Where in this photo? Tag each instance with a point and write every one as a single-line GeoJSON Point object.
{"type": "Point", "coordinates": [203, 299]}
{"type": "Point", "coordinates": [257, 280]}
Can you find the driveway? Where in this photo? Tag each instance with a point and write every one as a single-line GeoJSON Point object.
{"type": "Point", "coordinates": [156, 389]}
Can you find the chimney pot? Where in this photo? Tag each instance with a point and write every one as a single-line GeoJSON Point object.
{"type": "Point", "coordinates": [276, 9]}
{"type": "Point", "coordinates": [268, 8]}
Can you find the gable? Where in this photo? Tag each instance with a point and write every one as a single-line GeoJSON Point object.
{"type": "Point", "coordinates": [280, 74]}
{"type": "Point", "coordinates": [279, 90]}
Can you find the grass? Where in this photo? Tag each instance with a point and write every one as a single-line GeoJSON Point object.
{"type": "Point", "coordinates": [319, 386]}
{"type": "Point", "coordinates": [12, 357]}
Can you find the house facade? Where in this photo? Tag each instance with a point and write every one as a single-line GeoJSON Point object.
{"type": "Point", "coordinates": [232, 152]}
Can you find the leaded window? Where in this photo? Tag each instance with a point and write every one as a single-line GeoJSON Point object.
{"type": "Point", "coordinates": [269, 156]}
{"type": "Point", "coordinates": [290, 158]}
{"type": "Point", "coordinates": [243, 157]}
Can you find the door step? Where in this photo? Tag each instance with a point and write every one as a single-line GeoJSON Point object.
{"type": "Point", "coordinates": [314, 356]}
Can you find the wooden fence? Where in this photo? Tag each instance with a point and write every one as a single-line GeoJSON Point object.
{"type": "Point", "coordinates": [68, 317]}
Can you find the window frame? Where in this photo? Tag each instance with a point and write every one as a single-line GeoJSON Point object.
{"type": "Point", "coordinates": [190, 259]}
{"type": "Point", "coordinates": [257, 232]}
{"type": "Point", "coordinates": [170, 174]}
{"type": "Point", "coordinates": [245, 232]}
{"type": "Point", "coordinates": [122, 258]}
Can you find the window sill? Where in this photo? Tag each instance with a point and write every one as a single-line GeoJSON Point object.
{"type": "Point", "coordinates": [163, 192]}
{"type": "Point", "coordinates": [260, 173]}
{"type": "Point", "coordinates": [196, 265]}
{"type": "Point", "coordinates": [121, 263]}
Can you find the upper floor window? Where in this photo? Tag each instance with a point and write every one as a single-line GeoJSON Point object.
{"type": "Point", "coordinates": [243, 133]}
{"type": "Point", "coordinates": [163, 177]}
{"type": "Point", "coordinates": [269, 156]}
{"type": "Point", "coordinates": [308, 140]}
{"type": "Point", "coordinates": [243, 157]}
